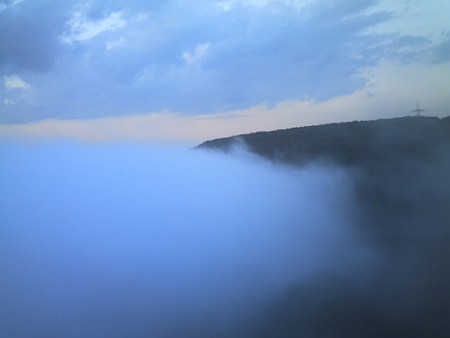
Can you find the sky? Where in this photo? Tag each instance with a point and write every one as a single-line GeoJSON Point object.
{"type": "Point", "coordinates": [187, 71]}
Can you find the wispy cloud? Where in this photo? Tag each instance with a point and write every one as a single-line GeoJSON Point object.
{"type": "Point", "coordinates": [81, 28]}
{"type": "Point", "coordinates": [15, 82]}
{"type": "Point", "coordinates": [9, 4]}
{"type": "Point", "coordinates": [196, 54]}
{"type": "Point", "coordinates": [8, 102]}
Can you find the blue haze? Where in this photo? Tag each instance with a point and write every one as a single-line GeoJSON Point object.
{"type": "Point", "coordinates": [129, 240]}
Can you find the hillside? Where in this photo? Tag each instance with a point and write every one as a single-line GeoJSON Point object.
{"type": "Point", "coordinates": [359, 143]}
{"type": "Point", "coordinates": [399, 175]}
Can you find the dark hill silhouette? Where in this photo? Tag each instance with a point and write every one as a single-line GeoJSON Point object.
{"type": "Point", "coordinates": [399, 170]}
{"type": "Point", "coordinates": [360, 143]}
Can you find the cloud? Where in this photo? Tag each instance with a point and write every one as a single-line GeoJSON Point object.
{"type": "Point", "coordinates": [128, 240]}
{"type": "Point", "coordinates": [128, 58]}
{"type": "Point", "coordinates": [115, 43]}
{"type": "Point", "coordinates": [132, 241]}
{"type": "Point", "coordinates": [29, 41]}
{"type": "Point", "coordinates": [8, 102]}
{"type": "Point", "coordinates": [228, 4]}
{"type": "Point", "coordinates": [6, 4]}
{"type": "Point", "coordinates": [12, 82]}
{"type": "Point", "coordinates": [82, 28]}
{"type": "Point", "coordinates": [196, 55]}
{"type": "Point", "coordinates": [442, 50]}
{"type": "Point", "coordinates": [391, 90]}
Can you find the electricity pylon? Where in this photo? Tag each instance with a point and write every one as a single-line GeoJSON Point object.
{"type": "Point", "coordinates": [418, 109]}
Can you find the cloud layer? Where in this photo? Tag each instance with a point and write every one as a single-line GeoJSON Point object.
{"type": "Point", "coordinates": [387, 94]}
{"type": "Point", "coordinates": [114, 240]}
{"type": "Point", "coordinates": [90, 59]}
{"type": "Point", "coordinates": [126, 240]}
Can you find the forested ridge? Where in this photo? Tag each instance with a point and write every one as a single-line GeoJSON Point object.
{"type": "Point", "coordinates": [399, 172]}
{"type": "Point", "coordinates": [347, 143]}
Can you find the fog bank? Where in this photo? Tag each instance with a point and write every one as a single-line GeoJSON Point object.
{"type": "Point", "coordinates": [128, 240]}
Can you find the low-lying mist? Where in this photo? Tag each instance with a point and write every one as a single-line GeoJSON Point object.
{"type": "Point", "coordinates": [128, 240]}
{"type": "Point", "coordinates": [401, 212]}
